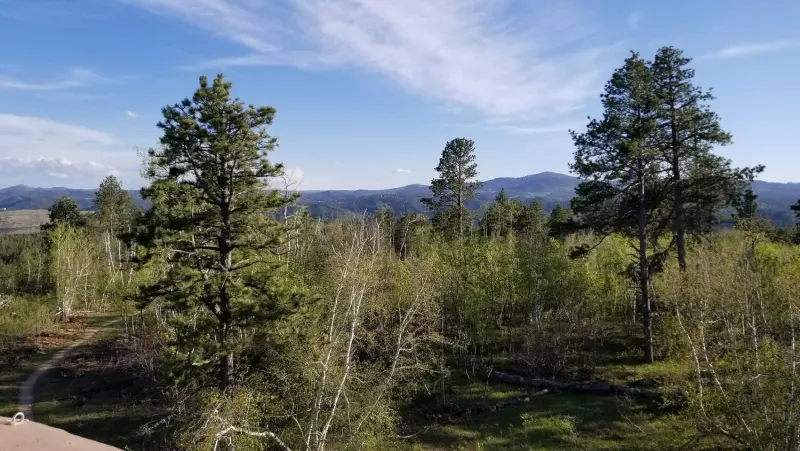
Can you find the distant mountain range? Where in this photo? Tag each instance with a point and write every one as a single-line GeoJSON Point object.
{"type": "Point", "coordinates": [550, 188]}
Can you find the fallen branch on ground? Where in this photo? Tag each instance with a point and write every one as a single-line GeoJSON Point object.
{"type": "Point", "coordinates": [229, 428]}
{"type": "Point", "coordinates": [459, 410]}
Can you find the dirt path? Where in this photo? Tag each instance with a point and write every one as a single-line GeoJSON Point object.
{"type": "Point", "coordinates": [26, 389]}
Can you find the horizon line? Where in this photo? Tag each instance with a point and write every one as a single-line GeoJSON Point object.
{"type": "Point", "coordinates": [22, 185]}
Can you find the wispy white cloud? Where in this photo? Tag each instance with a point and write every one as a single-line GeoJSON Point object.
{"type": "Point", "coordinates": [76, 77]}
{"type": "Point", "coordinates": [57, 168]}
{"type": "Point", "coordinates": [402, 171]}
{"type": "Point", "coordinates": [634, 19]}
{"type": "Point", "coordinates": [42, 129]}
{"type": "Point", "coordinates": [33, 152]}
{"type": "Point", "coordinates": [752, 49]}
{"type": "Point", "coordinates": [131, 114]}
{"type": "Point", "coordinates": [502, 58]}
{"type": "Point", "coordinates": [535, 130]}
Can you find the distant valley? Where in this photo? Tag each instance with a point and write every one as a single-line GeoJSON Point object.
{"type": "Point", "coordinates": [550, 188]}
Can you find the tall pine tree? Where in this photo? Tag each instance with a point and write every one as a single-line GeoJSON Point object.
{"type": "Point", "coordinates": [212, 219]}
{"type": "Point", "coordinates": [688, 130]}
{"type": "Point", "coordinates": [559, 223]}
{"type": "Point", "coordinates": [455, 186]}
{"type": "Point", "coordinates": [617, 157]}
{"type": "Point", "coordinates": [499, 219]}
{"type": "Point", "coordinates": [531, 220]}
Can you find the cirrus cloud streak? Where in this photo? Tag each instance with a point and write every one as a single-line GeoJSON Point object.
{"type": "Point", "coordinates": [464, 53]}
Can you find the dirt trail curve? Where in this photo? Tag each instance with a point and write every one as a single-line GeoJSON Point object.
{"type": "Point", "coordinates": [26, 389]}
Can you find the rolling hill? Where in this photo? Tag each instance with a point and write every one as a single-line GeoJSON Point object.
{"type": "Point", "coordinates": [549, 187]}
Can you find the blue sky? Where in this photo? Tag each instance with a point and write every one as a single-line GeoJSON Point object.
{"type": "Point", "coordinates": [369, 91]}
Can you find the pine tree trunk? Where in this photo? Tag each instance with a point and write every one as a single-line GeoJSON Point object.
{"type": "Point", "coordinates": [680, 220]}
{"type": "Point", "coordinates": [460, 218]}
{"type": "Point", "coordinates": [226, 371]}
{"type": "Point", "coordinates": [680, 229]}
{"type": "Point", "coordinates": [644, 276]}
{"type": "Point", "coordinates": [225, 314]}
{"type": "Point", "coordinates": [226, 359]}
{"type": "Point", "coordinates": [461, 183]}
{"type": "Point", "coordinates": [442, 361]}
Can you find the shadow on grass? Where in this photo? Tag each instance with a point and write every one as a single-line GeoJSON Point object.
{"type": "Point", "coordinates": [97, 320]}
{"type": "Point", "coordinates": [96, 395]}
{"type": "Point", "coordinates": [15, 366]}
{"type": "Point", "coordinates": [554, 421]}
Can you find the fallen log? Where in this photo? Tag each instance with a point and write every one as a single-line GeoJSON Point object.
{"type": "Point", "coordinates": [507, 403]}
{"type": "Point", "coordinates": [587, 387]}
{"type": "Point", "coordinates": [448, 413]}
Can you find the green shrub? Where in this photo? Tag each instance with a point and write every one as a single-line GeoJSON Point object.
{"type": "Point", "coordinates": [24, 315]}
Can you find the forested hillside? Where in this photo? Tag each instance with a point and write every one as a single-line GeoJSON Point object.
{"type": "Point", "coordinates": [549, 188]}
{"type": "Point", "coordinates": [607, 311]}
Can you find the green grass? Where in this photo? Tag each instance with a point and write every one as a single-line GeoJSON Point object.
{"type": "Point", "coordinates": [11, 377]}
{"type": "Point", "coordinates": [549, 422]}
{"type": "Point", "coordinates": [95, 394]}
{"type": "Point", "coordinates": [669, 373]}
{"type": "Point", "coordinates": [20, 355]}
{"type": "Point", "coordinates": [559, 421]}
{"type": "Point", "coordinates": [564, 421]}
{"type": "Point", "coordinates": [21, 319]}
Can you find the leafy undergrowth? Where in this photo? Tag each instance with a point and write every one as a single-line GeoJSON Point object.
{"type": "Point", "coordinates": [666, 373]}
{"type": "Point", "coordinates": [492, 416]}
{"type": "Point", "coordinates": [101, 393]}
{"type": "Point", "coordinates": [480, 417]}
